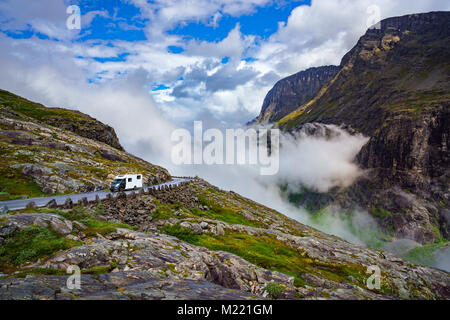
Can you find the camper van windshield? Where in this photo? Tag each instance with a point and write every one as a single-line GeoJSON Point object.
{"type": "Point", "coordinates": [117, 181]}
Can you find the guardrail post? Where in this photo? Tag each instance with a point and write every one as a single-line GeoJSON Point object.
{"type": "Point", "coordinates": [68, 204]}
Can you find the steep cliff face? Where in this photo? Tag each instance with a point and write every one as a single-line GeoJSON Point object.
{"type": "Point", "coordinates": [394, 86]}
{"type": "Point", "coordinates": [408, 163]}
{"type": "Point", "coordinates": [401, 68]}
{"type": "Point", "coordinates": [70, 120]}
{"type": "Point", "coordinates": [291, 92]}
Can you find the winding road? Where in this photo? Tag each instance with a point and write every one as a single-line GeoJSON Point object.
{"type": "Point", "coordinates": [42, 202]}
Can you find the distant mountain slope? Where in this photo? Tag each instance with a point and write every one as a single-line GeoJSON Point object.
{"type": "Point", "coordinates": [48, 151]}
{"type": "Point", "coordinates": [394, 86]}
{"type": "Point", "coordinates": [290, 93]}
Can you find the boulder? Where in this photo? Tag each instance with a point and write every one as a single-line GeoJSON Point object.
{"type": "Point", "coordinates": [31, 205]}
{"type": "Point", "coordinates": [83, 202]}
{"type": "Point", "coordinates": [63, 227]}
{"type": "Point", "coordinates": [4, 209]}
{"type": "Point", "coordinates": [121, 195]}
{"type": "Point", "coordinates": [79, 225]}
{"type": "Point", "coordinates": [219, 230]}
{"type": "Point", "coordinates": [68, 204]}
{"type": "Point", "coordinates": [52, 204]}
{"type": "Point", "coordinates": [196, 228]}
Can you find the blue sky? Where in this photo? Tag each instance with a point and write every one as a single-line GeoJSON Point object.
{"type": "Point", "coordinates": [191, 59]}
{"type": "Point", "coordinates": [121, 20]}
{"type": "Point", "coordinates": [106, 23]}
{"type": "Point", "coordinates": [262, 21]}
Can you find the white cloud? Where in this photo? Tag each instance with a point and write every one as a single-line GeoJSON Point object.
{"type": "Point", "coordinates": [312, 36]}
{"type": "Point", "coordinates": [166, 14]}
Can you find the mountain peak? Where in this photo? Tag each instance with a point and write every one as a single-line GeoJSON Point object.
{"type": "Point", "coordinates": [291, 92]}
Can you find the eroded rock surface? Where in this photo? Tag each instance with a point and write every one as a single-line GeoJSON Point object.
{"type": "Point", "coordinates": [166, 267]}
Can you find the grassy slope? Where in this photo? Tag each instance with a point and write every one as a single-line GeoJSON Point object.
{"type": "Point", "coordinates": [263, 250]}
{"type": "Point", "coordinates": [33, 243]}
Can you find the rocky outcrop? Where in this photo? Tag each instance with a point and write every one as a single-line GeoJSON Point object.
{"type": "Point", "coordinates": [39, 158]}
{"type": "Point", "coordinates": [290, 93]}
{"type": "Point", "coordinates": [89, 128]}
{"type": "Point", "coordinates": [412, 154]}
{"type": "Point", "coordinates": [70, 120]}
{"type": "Point", "coordinates": [122, 285]}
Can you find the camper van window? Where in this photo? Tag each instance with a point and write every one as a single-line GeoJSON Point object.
{"type": "Point", "coordinates": [117, 181]}
{"type": "Point", "coordinates": [139, 177]}
{"type": "Point", "coordinates": [129, 179]}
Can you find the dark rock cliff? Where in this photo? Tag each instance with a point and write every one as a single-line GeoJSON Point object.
{"type": "Point", "coordinates": [291, 92]}
{"type": "Point", "coordinates": [394, 87]}
{"type": "Point", "coordinates": [89, 128]}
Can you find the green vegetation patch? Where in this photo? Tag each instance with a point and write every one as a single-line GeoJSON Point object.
{"type": "Point", "coordinates": [166, 211]}
{"type": "Point", "coordinates": [274, 289]}
{"type": "Point", "coordinates": [88, 218]}
{"type": "Point", "coordinates": [100, 269]}
{"type": "Point", "coordinates": [424, 255]}
{"type": "Point", "coordinates": [221, 213]}
{"type": "Point", "coordinates": [30, 244]}
{"type": "Point", "coordinates": [380, 212]}
{"type": "Point", "coordinates": [36, 110]}
{"type": "Point", "coordinates": [269, 253]}
{"type": "Point", "coordinates": [15, 185]}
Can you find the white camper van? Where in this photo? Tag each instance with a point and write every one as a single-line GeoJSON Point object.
{"type": "Point", "coordinates": [126, 182]}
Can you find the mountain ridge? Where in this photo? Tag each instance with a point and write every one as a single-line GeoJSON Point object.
{"type": "Point", "coordinates": [293, 91]}
{"type": "Point", "coordinates": [393, 86]}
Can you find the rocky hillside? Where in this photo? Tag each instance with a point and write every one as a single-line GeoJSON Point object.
{"type": "Point", "coordinates": [53, 151]}
{"type": "Point", "coordinates": [70, 120]}
{"type": "Point", "coordinates": [394, 87]}
{"type": "Point", "coordinates": [290, 93]}
{"type": "Point", "coordinates": [193, 242]}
